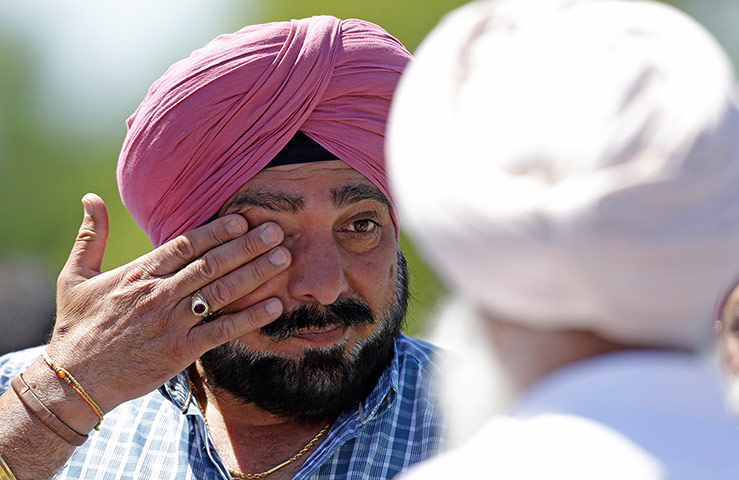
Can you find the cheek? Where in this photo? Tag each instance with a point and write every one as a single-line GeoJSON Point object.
{"type": "Point", "coordinates": [372, 275]}
{"type": "Point", "coordinates": [374, 278]}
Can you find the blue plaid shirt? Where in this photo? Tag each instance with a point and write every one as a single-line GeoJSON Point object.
{"type": "Point", "coordinates": [162, 435]}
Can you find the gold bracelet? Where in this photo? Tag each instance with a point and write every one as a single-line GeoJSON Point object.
{"type": "Point", "coordinates": [5, 472]}
{"type": "Point", "coordinates": [72, 382]}
{"type": "Point", "coordinates": [47, 417]}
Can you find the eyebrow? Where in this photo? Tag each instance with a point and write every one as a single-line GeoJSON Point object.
{"type": "Point", "coordinates": [356, 192]}
{"type": "Point", "coordinates": [288, 203]}
{"type": "Point", "coordinates": [275, 202]}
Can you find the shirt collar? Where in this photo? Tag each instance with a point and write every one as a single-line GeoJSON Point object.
{"type": "Point", "coordinates": [382, 395]}
{"type": "Point", "coordinates": [177, 390]}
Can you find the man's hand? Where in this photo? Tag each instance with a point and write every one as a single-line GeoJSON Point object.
{"type": "Point", "coordinates": [125, 332]}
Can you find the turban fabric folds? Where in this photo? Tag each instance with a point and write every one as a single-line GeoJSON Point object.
{"type": "Point", "coordinates": [595, 183]}
{"type": "Point", "coordinates": [216, 118]}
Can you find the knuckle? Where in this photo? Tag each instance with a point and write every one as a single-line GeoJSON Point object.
{"type": "Point", "coordinates": [221, 331]}
{"type": "Point", "coordinates": [254, 317]}
{"type": "Point", "coordinates": [146, 303]}
{"type": "Point", "coordinates": [221, 293]}
{"type": "Point", "coordinates": [206, 268]}
{"type": "Point", "coordinates": [133, 275]}
{"type": "Point", "coordinates": [142, 298]}
{"type": "Point", "coordinates": [215, 235]}
{"type": "Point", "coordinates": [183, 247]}
{"type": "Point", "coordinates": [262, 270]}
{"type": "Point", "coordinates": [85, 234]}
{"type": "Point", "coordinates": [250, 247]}
{"type": "Point", "coordinates": [148, 267]}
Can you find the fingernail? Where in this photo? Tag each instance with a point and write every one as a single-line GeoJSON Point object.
{"type": "Point", "coordinates": [278, 258]}
{"type": "Point", "coordinates": [235, 227]}
{"type": "Point", "coordinates": [269, 235]}
{"type": "Point", "coordinates": [87, 207]}
{"type": "Point", "coordinates": [273, 307]}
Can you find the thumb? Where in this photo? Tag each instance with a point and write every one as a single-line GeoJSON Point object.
{"type": "Point", "coordinates": [86, 257]}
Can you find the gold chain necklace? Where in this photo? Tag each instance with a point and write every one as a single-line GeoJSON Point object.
{"type": "Point", "coordinates": [250, 476]}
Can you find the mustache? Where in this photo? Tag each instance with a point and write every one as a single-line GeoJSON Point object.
{"type": "Point", "coordinates": [343, 312]}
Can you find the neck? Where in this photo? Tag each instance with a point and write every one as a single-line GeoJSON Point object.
{"type": "Point", "coordinates": [526, 354]}
{"type": "Point", "coordinates": [248, 438]}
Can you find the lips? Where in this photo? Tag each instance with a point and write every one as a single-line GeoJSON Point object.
{"type": "Point", "coordinates": [321, 336]}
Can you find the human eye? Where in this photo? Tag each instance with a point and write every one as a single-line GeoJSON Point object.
{"type": "Point", "coordinates": [362, 231]}
{"type": "Point", "coordinates": [364, 226]}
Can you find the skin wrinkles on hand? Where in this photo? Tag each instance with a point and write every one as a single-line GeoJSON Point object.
{"type": "Point", "coordinates": [104, 318]}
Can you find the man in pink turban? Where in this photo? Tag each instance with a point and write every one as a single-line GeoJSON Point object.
{"type": "Point", "coordinates": [269, 313]}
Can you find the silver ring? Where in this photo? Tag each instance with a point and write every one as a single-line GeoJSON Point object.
{"type": "Point", "coordinates": [199, 305]}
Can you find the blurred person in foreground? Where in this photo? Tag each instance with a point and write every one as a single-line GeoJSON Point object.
{"type": "Point", "coordinates": [727, 331]}
{"type": "Point", "coordinates": [570, 168]}
{"type": "Point", "coordinates": [256, 168]}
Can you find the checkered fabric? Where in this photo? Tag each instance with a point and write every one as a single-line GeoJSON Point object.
{"type": "Point", "coordinates": [162, 435]}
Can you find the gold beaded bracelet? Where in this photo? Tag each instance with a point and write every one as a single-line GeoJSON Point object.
{"type": "Point", "coordinates": [5, 472]}
{"type": "Point", "coordinates": [72, 382]}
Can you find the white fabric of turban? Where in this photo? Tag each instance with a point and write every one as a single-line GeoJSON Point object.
{"type": "Point", "coordinates": [573, 164]}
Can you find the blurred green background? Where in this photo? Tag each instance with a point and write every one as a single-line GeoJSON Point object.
{"type": "Point", "coordinates": [73, 71]}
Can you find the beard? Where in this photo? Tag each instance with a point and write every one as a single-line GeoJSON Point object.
{"type": "Point", "coordinates": [324, 382]}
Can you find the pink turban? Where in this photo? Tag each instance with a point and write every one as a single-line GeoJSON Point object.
{"type": "Point", "coordinates": [218, 117]}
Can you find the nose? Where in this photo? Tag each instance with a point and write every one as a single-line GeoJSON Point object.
{"type": "Point", "coordinates": [317, 270]}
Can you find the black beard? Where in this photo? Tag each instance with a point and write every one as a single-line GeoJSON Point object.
{"type": "Point", "coordinates": [325, 382]}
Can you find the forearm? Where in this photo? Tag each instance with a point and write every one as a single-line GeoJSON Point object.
{"type": "Point", "coordinates": [31, 449]}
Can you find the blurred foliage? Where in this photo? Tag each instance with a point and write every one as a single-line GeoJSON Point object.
{"type": "Point", "coordinates": [409, 21]}
{"type": "Point", "coordinates": [44, 175]}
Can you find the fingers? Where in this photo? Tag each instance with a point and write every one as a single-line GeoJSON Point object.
{"type": "Point", "coordinates": [179, 252]}
{"type": "Point", "coordinates": [232, 270]}
{"type": "Point", "coordinates": [246, 279]}
{"type": "Point", "coordinates": [87, 253]}
{"type": "Point", "coordinates": [228, 327]}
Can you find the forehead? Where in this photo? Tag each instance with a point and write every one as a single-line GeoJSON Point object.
{"type": "Point", "coordinates": [306, 173]}
{"type": "Point", "coordinates": [305, 179]}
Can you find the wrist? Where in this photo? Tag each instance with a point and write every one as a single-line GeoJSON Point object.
{"type": "Point", "coordinates": [65, 375]}
{"type": "Point", "coordinates": [59, 398]}
{"type": "Point", "coordinates": [5, 472]}
{"type": "Point", "coordinates": [35, 406]}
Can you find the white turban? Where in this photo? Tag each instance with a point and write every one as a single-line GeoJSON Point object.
{"type": "Point", "coordinates": [574, 164]}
